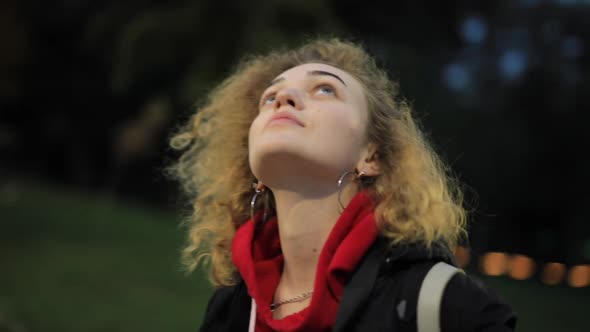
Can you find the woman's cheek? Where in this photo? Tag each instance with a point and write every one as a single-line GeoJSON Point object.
{"type": "Point", "coordinates": [256, 129]}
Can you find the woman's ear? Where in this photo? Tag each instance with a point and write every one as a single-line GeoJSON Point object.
{"type": "Point", "coordinates": [369, 163]}
{"type": "Point", "coordinates": [258, 185]}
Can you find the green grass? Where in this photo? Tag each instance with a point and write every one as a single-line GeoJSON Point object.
{"type": "Point", "coordinates": [544, 308]}
{"type": "Point", "coordinates": [77, 262]}
{"type": "Point", "coordinates": [71, 262]}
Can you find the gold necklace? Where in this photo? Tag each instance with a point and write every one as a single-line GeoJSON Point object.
{"type": "Point", "coordinates": [297, 298]}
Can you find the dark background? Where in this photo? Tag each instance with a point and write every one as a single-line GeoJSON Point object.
{"type": "Point", "coordinates": [90, 91]}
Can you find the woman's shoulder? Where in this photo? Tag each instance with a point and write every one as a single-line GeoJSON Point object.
{"type": "Point", "coordinates": [468, 304]}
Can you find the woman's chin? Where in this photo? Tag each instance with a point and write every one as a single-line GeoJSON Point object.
{"type": "Point", "coordinates": [278, 148]}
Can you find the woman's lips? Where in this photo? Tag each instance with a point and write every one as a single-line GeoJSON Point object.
{"type": "Point", "coordinates": [284, 118]}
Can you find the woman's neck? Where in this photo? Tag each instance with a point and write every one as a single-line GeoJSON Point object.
{"type": "Point", "coordinates": [305, 221]}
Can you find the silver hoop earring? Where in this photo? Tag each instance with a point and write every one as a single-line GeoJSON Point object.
{"type": "Point", "coordinates": [357, 174]}
{"type": "Point", "coordinates": [253, 202]}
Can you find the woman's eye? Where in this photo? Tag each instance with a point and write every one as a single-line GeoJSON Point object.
{"type": "Point", "coordinates": [268, 99]}
{"type": "Point", "coordinates": [326, 90]}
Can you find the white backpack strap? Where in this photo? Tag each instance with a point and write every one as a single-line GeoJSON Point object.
{"type": "Point", "coordinates": [430, 296]}
{"type": "Point", "coordinates": [252, 324]}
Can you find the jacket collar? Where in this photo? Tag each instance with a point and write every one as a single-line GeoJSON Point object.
{"type": "Point", "coordinates": [417, 252]}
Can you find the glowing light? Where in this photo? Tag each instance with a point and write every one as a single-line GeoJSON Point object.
{"type": "Point", "coordinates": [521, 267]}
{"type": "Point", "coordinates": [494, 263]}
{"type": "Point", "coordinates": [474, 30]}
{"type": "Point", "coordinates": [579, 276]}
{"type": "Point", "coordinates": [553, 273]}
{"type": "Point", "coordinates": [512, 64]}
{"type": "Point", "coordinates": [456, 76]}
{"type": "Point", "coordinates": [463, 256]}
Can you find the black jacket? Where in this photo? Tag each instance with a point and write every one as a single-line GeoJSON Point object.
{"type": "Point", "coordinates": [372, 299]}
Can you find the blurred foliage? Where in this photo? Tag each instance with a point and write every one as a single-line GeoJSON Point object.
{"type": "Point", "coordinates": [194, 43]}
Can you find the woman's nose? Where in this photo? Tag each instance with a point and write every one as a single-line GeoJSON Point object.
{"type": "Point", "coordinates": [289, 96]}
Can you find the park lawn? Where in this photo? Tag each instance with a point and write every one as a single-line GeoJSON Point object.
{"type": "Point", "coordinates": [542, 308]}
{"type": "Point", "coordinates": [75, 262]}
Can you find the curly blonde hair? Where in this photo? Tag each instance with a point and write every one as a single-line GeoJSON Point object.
{"type": "Point", "coordinates": [416, 198]}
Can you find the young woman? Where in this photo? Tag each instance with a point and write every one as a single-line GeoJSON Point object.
{"type": "Point", "coordinates": [319, 204]}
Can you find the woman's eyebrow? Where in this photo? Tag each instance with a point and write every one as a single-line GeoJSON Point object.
{"type": "Point", "coordinates": [322, 73]}
{"type": "Point", "coordinates": [275, 81]}
{"type": "Point", "coordinates": [311, 73]}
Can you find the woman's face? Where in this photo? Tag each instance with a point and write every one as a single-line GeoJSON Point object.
{"type": "Point", "coordinates": [311, 124]}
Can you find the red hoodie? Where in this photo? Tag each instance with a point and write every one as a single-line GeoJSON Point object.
{"type": "Point", "coordinates": [259, 260]}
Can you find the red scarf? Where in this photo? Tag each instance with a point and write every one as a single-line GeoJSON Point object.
{"type": "Point", "coordinates": [258, 257]}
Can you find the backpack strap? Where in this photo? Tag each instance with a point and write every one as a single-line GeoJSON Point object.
{"type": "Point", "coordinates": [252, 324]}
{"type": "Point", "coordinates": [430, 296]}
